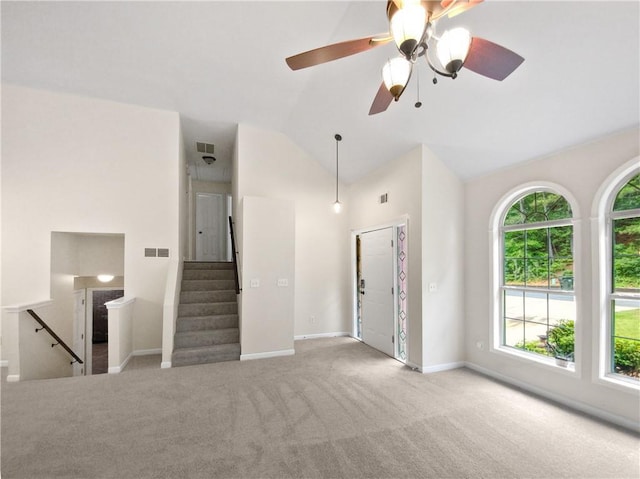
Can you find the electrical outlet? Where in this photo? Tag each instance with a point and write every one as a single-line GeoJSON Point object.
{"type": "Point", "coordinates": [312, 320]}
{"type": "Point", "coordinates": [433, 287]}
{"type": "Point", "coordinates": [254, 283]}
{"type": "Point", "coordinates": [480, 345]}
{"type": "Point", "coordinates": [283, 282]}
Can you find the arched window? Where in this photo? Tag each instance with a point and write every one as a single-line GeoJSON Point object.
{"type": "Point", "coordinates": [623, 348]}
{"type": "Point", "coordinates": [538, 310]}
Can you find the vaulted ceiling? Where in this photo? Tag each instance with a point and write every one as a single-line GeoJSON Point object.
{"type": "Point", "coordinates": [222, 63]}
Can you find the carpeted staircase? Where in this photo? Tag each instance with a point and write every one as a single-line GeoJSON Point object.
{"type": "Point", "coordinates": [207, 325]}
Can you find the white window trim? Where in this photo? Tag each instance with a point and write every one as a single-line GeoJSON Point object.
{"type": "Point", "coordinates": [496, 280]}
{"type": "Point", "coordinates": [601, 222]}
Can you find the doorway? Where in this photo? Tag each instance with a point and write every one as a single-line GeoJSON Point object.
{"type": "Point", "coordinates": [97, 329]}
{"type": "Point", "coordinates": [209, 227]}
{"type": "Point", "coordinates": [381, 289]}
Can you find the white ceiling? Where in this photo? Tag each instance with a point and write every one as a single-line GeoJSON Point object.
{"type": "Point", "coordinates": [222, 63]}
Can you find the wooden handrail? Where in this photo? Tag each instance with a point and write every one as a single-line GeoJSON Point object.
{"type": "Point", "coordinates": [234, 253]}
{"type": "Point", "coordinates": [54, 336]}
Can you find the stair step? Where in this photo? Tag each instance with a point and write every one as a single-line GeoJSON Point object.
{"type": "Point", "coordinates": [203, 323]}
{"type": "Point", "coordinates": [220, 296]}
{"type": "Point", "coordinates": [205, 354]}
{"type": "Point", "coordinates": [208, 274]}
{"type": "Point", "coordinates": [195, 339]}
{"type": "Point", "coordinates": [208, 285]}
{"type": "Point", "coordinates": [207, 309]}
{"type": "Point", "coordinates": [208, 265]}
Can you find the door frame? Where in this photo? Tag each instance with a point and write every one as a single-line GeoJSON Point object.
{"type": "Point", "coordinates": [222, 229]}
{"type": "Point", "coordinates": [88, 333]}
{"type": "Point", "coordinates": [394, 224]}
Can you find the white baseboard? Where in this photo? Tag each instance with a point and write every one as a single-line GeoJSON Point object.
{"type": "Point", "coordinates": [269, 354]}
{"type": "Point", "coordinates": [165, 364]}
{"type": "Point", "coordinates": [13, 378]}
{"type": "Point", "coordinates": [4, 363]}
{"type": "Point", "coordinates": [413, 366]}
{"type": "Point", "coordinates": [443, 367]}
{"type": "Point", "coordinates": [321, 335]}
{"type": "Point", "coordinates": [118, 369]}
{"type": "Point", "coordinates": [146, 352]}
{"type": "Point", "coordinates": [565, 401]}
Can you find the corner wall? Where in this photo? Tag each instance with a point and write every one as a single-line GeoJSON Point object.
{"type": "Point", "coordinates": [581, 170]}
{"type": "Point", "coordinates": [269, 165]}
{"type": "Point", "coordinates": [83, 165]}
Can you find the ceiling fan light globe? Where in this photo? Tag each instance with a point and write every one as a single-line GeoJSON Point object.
{"type": "Point", "coordinates": [395, 74]}
{"type": "Point", "coordinates": [452, 49]}
{"type": "Point", "coordinates": [407, 26]}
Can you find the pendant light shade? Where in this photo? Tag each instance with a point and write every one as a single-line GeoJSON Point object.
{"type": "Point", "coordinates": [396, 73]}
{"type": "Point", "coordinates": [452, 49]}
{"type": "Point", "coordinates": [407, 27]}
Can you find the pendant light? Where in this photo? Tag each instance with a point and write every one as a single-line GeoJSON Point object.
{"type": "Point", "coordinates": [337, 206]}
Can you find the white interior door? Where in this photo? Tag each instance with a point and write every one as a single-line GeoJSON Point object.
{"type": "Point", "coordinates": [209, 227]}
{"type": "Point", "coordinates": [79, 320]}
{"type": "Point", "coordinates": [376, 288]}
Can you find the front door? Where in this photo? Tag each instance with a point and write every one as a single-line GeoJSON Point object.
{"type": "Point", "coordinates": [209, 227]}
{"type": "Point", "coordinates": [376, 289]}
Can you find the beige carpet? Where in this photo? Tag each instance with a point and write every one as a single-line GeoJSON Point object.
{"type": "Point", "coordinates": [335, 409]}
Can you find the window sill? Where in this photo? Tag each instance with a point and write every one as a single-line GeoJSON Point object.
{"type": "Point", "coordinates": [536, 360]}
{"type": "Point", "coordinates": [620, 383]}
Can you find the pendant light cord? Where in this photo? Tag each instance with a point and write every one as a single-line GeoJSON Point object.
{"type": "Point", "coordinates": [338, 139]}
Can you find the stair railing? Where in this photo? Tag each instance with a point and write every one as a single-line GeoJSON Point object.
{"type": "Point", "coordinates": [234, 254]}
{"type": "Point", "coordinates": [60, 342]}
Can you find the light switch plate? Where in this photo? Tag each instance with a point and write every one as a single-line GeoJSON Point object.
{"type": "Point", "coordinates": [283, 282]}
{"type": "Point", "coordinates": [254, 283]}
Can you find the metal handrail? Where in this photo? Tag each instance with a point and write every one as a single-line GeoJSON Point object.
{"type": "Point", "coordinates": [234, 253]}
{"type": "Point", "coordinates": [54, 336]}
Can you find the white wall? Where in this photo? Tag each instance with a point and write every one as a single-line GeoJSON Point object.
{"type": "Point", "coordinates": [269, 165]}
{"type": "Point", "coordinates": [442, 264]}
{"type": "Point", "coordinates": [76, 164]}
{"type": "Point", "coordinates": [267, 306]}
{"type": "Point", "coordinates": [581, 170]}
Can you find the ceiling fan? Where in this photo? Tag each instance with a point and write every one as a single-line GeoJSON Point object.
{"type": "Point", "coordinates": [412, 26]}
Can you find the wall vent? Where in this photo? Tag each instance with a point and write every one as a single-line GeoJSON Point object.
{"type": "Point", "coordinates": [204, 147]}
{"type": "Point", "coordinates": [163, 252]}
{"type": "Point", "coordinates": [384, 198]}
{"type": "Point", "coordinates": [150, 252]}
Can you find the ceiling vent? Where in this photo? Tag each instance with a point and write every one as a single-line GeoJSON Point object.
{"type": "Point", "coordinates": [204, 147]}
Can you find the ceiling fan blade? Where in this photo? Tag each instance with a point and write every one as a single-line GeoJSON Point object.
{"type": "Point", "coordinates": [382, 100]}
{"type": "Point", "coordinates": [459, 7]}
{"type": "Point", "coordinates": [491, 60]}
{"type": "Point", "coordinates": [335, 51]}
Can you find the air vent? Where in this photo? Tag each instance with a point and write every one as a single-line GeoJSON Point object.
{"type": "Point", "coordinates": [204, 147]}
{"type": "Point", "coordinates": [150, 252]}
{"type": "Point", "coordinates": [384, 198]}
{"type": "Point", "coordinates": [163, 252]}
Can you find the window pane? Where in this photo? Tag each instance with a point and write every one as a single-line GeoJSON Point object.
{"type": "Point", "coordinates": [626, 337]}
{"type": "Point", "coordinates": [560, 209]}
{"type": "Point", "coordinates": [561, 242]}
{"type": "Point", "coordinates": [561, 271]}
{"type": "Point", "coordinates": [537, 243]}
{"type": "Point", "coordinates": [626, 254]}
{"type": "Point", "coordinates": [535, 337]}
{"type": "Point", "coordinates": [514, 272]}
{"type": "Point", "coordinates": [537, 273]}
{"type": "Point", "coordinates": [535, 306]}
{"type": "Point", "coordinates": [514, 305]}
{"type": "Point", "coordinates": [629, 196]}
{"type": "Point", "coordinates": [561, 307]}
{"type": "Point", "coordinates": [536, 207]}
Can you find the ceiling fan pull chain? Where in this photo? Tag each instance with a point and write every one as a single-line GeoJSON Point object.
{"type": "Point", "coordinates": [418, 103]}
